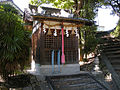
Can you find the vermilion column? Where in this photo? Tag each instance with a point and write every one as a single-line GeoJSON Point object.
{"type": "Point", "coordinates": [63, 55]}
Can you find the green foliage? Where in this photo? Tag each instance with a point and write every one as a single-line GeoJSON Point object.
{"type": "Point", "coordinates": [39, 2]}
{"type": "Point", "coordinates": [8, 8]}
{"type": "Point", "coordinates": [88, 39]}
{"type": "Point", "coordinates": [64, 4]}
{"type": "Point", "coordinates": [90, 43]}
{"type": "Point", "coordinates": [89, 10]}
{"type": "Point", "coordinates": [115, 4]}
{"type": "Point", "coordinates": [85, 8]}
{"type": "Point", "coordinates": [116, 32]}
{"type": "Point", "coordinates": [14, 41]}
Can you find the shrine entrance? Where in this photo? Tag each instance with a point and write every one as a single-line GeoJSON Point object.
{"type": "Point", "coordinates": [56, 30]}
{"type": "Point", "coordinates": [49, 38]}
{"type": "Point", "coordinates": [52, 42]}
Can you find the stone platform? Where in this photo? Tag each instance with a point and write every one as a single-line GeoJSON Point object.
{"type": "Point", "coordinates": [47, 70]}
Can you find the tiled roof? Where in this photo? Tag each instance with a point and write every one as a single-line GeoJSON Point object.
{"type": "Point", "coordinates": [60, 15]}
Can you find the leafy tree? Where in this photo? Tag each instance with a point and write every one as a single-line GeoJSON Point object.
{"type": "Point", "coordinates": [14, 41]}
{"type": "Point", "coordinates": [82, 8]}
{"type": "Point", "coordinates": [90, 41]}
{"type": "Point", "coordinates": [8, 8]}
{"type": "Point", "coordinates": [116, 32]}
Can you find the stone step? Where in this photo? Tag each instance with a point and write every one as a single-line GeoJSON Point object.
{"type": "Point", "coordinates": [44, 86]}
{"type": "Point", "coordinates": [105, 44]}
{"type": "Point", "coordinates": [113, 52]}
{"type": "Point", "coordinates": [116, 67]}
{"type": "Point", "coordinates": [110, 41]}
{"type": "Point", "coordinates": [118, 72]}
{"type": "Point", "coordinates": [111, 49]}
{"type": "Point", "coordinates": [83, 79]}
{"type": "Point", "coordinates": [70, 76]}
{"type": "Point", "coordinates": [111, 46]}
{"type": "Point", "coordinates": [75, 82]}
{"type": "Point", "coordinates": [72, 80]}
{"type": "Point", "coordinates": [81, 86]}
{"type": "Point", "coordinates": [113, 57]}
{"type": "Point", "coordinates": [109, 38]}
{"type": "Point", "coordinates": [114, 61]}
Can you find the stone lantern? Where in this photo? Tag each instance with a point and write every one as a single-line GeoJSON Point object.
{"type": "Point", "coordinates": [96, 68]}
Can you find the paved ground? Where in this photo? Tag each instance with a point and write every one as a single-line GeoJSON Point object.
{"type": "Point", "coordinates": [38, 80]}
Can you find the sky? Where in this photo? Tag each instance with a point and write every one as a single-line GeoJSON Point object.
{"type": "Point", "coordinates": [103, 19]}
{"type": "Point", "coordinates": [22, 3]}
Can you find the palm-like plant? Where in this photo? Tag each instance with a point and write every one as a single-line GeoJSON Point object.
{"type": "Point", "coordinates": [14, 41]}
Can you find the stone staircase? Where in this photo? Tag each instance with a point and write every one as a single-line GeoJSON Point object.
{"type": "Point", "coordinates": [110, 54]}
{"type": "Point", "coordinates": [111, 48]}
{"type": "Point", "coordinates": [82, 81]}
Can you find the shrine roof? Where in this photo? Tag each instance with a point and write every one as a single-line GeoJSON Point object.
{"type": "Point", "coordinates": [60, 15]}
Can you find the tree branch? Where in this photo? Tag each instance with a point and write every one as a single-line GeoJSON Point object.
{"type": "Point", "coordinates": [113, 7]}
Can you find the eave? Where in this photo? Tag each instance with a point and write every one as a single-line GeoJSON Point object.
{"type": "Point", "coordinates": [63, 19]}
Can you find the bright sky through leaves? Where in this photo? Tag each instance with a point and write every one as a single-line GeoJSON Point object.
{"type": "Point", "coordinates": [105, 19]}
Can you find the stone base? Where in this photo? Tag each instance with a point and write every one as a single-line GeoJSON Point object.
{"type": "Point", "coordinates": [64, 69]}
{"type": "Point", "coordinates": [98, 74]}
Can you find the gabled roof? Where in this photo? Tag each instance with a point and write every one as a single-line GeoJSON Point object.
{"type": "Point", "coordinates": [13, 4]}
{"type": "Point", "coordinates": [53, 14]}
{"type": "Point", "coordinates": [63, 19]}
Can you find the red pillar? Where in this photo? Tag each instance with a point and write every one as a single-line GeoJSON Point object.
{"type": "Point", "coordinates": [63, 55]}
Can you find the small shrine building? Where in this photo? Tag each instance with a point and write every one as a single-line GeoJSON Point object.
{"type": "Point", "coordinates": [56, 30]}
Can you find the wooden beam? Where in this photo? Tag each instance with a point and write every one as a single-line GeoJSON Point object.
{"type": "Point", "coordinates": [62, 19]}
